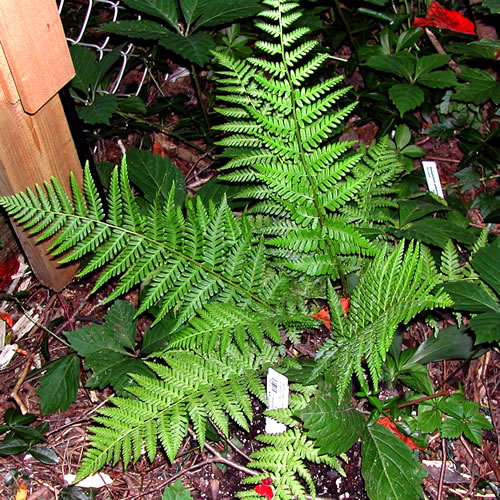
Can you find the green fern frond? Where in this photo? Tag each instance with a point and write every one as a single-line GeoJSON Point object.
{"type": "Point", "coordinates": [283, 460]}
{"type": "Point", "coordinates": [190, 388]}
{"type": "Point", "coordinates": [393, 289]}
{"type": "Point", "coordinates": [188, 259]}
{"type": "Point", "coordinates": [450, 263]}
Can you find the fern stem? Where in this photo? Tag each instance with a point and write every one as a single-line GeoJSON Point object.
{"type": "Point", "coordinates": [201, 102]}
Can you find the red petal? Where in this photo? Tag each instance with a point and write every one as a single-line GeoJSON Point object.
{"type": "Point", "coordinates": [267, 481]}
{"type": "Point", "coordinates": [345, 302]}
{"type": "Point", "coordinates": [264, 489]}
{"type": "Point", "coordinates": [389, 424]}
{"type": "Point", "coordinates": [8, 268]}
{"type": "Point", "coordinates": [445, 19]}
{"type": "Point", "coordinates": [324, 315]}
{"type": "Point", "coordinates": [7, 318]}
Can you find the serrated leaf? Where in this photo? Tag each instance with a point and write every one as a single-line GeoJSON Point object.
{"type": "Point", "coordinates": [176, 491]}
{"type": "Point", "coordinates": [195, 48]}
{"type": "Point", "coordinates": [154, 175]}
{"type": "Point", "coordinates": [451, 428]}
{"type": "Point", "coordinates": [144, 29]}
{"type": "Point", "coordinates": [100, 111]}
{"type": "Point", "coordinates": [161, 9]}
{"type": "Point", "coordinates": [485, 262]}
{"type": "Point", "coordinates": [439, 79]}
{"type": "Point", "coordinates": [486, 326]}
{"type": "Point", "coordinates": [390, 469]}
{"type": "Point", "coordinates": [84, 61]}
{"type": "Point", "coordinates": [58, 387]}
{"type": "Point", "coordinates": [217, 12]}
{"type": "Point", "coordinates": [429, 418]}
{"type": "Point", "coordinates": [402, 65]}
{"type": "Point", "coordinates": [44, 455]}
{"type": "Point", "coordinates": [406, 96]}
{"type": "Point", "coordinates": [426, 64]}
{"type": "Point", "coordinates": [480, 87]}
{"type": "Point", "coordinates": [334, 428]}
{"type": "Point", "coordinates": [109, 349]}
{"type": "Point", "coordinates": [469, 296]}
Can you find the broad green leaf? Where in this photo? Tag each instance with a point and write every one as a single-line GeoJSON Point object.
{"type": "Point", "coordinates": [11, 445]}
{"type": "Point", "coordinates": [471, 297]}
{"type": "Point", "coordinates": [408, 38]}
{"type": "Point", "coordinates": [132, 104]}
{"type": "Point", "coordinates": [439, 79]}
{"type": "Point", "coordinates": [31, 435]}
{"type": "Point", "coordinates": [195, 48]}
{"type": "Point", "coordinates": [480, 87]}
{"type": "Point", "coordinates": [486, 326]}
{"type": "Point", "coordinates": [191, 10]}
{"type": "Point", "coordinates": [403, 136]}
{"type": "Point", "coordinates": [451, 428]}
{"type": "Point", "coordinates": [217, 12]}
{"type": "Point", "coordinates": [105, 64]}
{"type": "Point", "coordinates": [109, 349]}
{"type": "Point", "coordinates": [144, 29]}
{"type": "Point", "coordinates": [450, 343]}
{"type": "Point", "coordinates": [411, 210]}
{"type": "Point", "coordinates": [13, 416]}
{"type": "Point", "coordinates": [418, 379]}
{"type": "Point", "coordinates": [486, 262]}
{"type": "Point", "coordinates": [406, 96]}
{"type": "Point", "coordinates": [100, 111]}
{"type": "Point", "coordinates": [176, 491]}
{"type": "Point", "coordinates": [58, 387]}
{"type": "Point", "coordinates": [334, 428]}
{"type": "Point", "coordinates": [84, 61]}
{"type": "Point", "coordinates": [426, 64]}
{"type": "Point", "coordinates": [389, 467]}
{"type": "Point", "coordinates": [165, 10]}
{"type": "Point", "coordinates": [429, 418]}
{"type": "Point", "coordinates": [402, 65]}
{"type": "Point", "coordinates": [413, 151]}
{"type": "Point", "coordinates": [155, 175]}
{"type": "Point", "coordinates": [44, 455]}
{"type": "Point", "coordinates": [436, 232]}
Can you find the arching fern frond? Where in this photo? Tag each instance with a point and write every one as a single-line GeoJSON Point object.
{"type": "Point", "coordinates": [392, 290]}
{"type": "Point", "coordinates": [190, 389]}
{"type": "Point", "coordinates": [188, 259]}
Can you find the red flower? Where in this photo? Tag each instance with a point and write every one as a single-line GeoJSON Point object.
{"type": "Point", "coordinates": [264, 488]}
{"type": "Point", "coordinates": [324, 315]}
{"type": "Point", "coordinates": [445, 19]}
{"type": "Point", "coordinates": [389, 424]}
{"type": "Point", "coordinates": [345, 302]}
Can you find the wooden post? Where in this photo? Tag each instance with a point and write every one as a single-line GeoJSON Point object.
{"type": "Point", "coordinates": [35, 140]}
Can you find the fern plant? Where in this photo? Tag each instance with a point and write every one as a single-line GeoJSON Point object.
{"type": "Point", "coordinates": [221, 277]}
{"type": "Point", "coordinates": [280, 143]}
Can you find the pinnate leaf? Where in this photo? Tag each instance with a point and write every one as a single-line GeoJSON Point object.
{"type": "Point", "coordinates": [389, 467]}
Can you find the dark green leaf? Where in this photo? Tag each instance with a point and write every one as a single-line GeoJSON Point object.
{"type": "Point", "coordinates": [450, 343]}
{"type": "Point", "coordinates": [486, 326]}
{"type": "Point", "coordinates": [429, 418]}
{"type": "Point", "coordinates": [402, 65]}
{"type": "Point", "coordinates": [215, 190]}
{"type": "Point", "coordinates": [58, 387]}
{"type": "Point", "coordinates": [408, 38]}
{"type": "Point", "coordinates": [100, 111]}
{"type": "Point", "coordinates": [44, 455]}
{"type": "Point", "coordinates": [480, 87]}
{"type": "Point", "coordinates": [451, 428]}
{"type": "Point", "coordinates": [389, 467]}
{"type": "Point", "coordinates": [439, 79]}
{"type": "Point", "coordinates": [155, 175]}
{"type": "Point", "coordinates": [426, 64]}
{"type": "Point", "coordinates": [217, 12]}
{"type": "Point", "coordinates": [133, 104]}
{"type": "Point", "coordinates": [13, 416]}
{"type": "Point", "coordinates": [469, 179]}
{"type": "Point", "coordinates": [412, 210]}
{"type": "Point", "coordinates": [11, 445]}
{"type": "Point", "coordinates": [165, 10]}
{"type": "Point", "coordinates": [195, 48]}
{"type": "Point", "coordinates": [486, 262]}
{"type": "Point", "coordinates": [31, 435]}
{"type": "Point", "coordinates": [144, 29]}
{"type": "Point", "coordinates": [493, 5]}
{"type": "Point", "coordinates": [406, 96]}
{"type": "Point", "coordinates": [333, 427]}
{"type": "Point", "coordinates": [471, 297]}
{"type": "Point", "coordinates": [105, 64]}
{"type": "Point", "coordinates": [176, 491]}
{"type": "Point", "coordinates": [84, 61]}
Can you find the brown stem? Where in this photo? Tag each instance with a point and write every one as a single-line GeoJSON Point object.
{"type": "Point", "coordinates": [443, 469]}
{"type": "Point", "coordinates": [439, 49]}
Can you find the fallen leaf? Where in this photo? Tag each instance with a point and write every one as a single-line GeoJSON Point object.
{"type": "Point", "coordinates": [22, 491]}
{"type": "Point", "coordinates": [389, 424]}
{"type": "Point", "coordinates": [7, 318]}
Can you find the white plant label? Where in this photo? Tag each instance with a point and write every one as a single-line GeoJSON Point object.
{"type": "Point", "coordinates": [277, 396]}
{"type": "Point", "coordinates": [432, 177]}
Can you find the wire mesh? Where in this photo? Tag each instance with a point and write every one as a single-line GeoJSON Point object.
{"type": "Point", "coordinates": [83, 14]}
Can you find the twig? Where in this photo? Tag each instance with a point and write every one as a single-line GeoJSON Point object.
{"type": "Point", "coordinates": [438, 158]}
{"type": "Point", "coordinates": [14, 394]}
{"type": "Point", "coordinates": [492, 463]}
{"type": "Point", "coordinates": [439, 49]}
{"type": "Point", "coordinates": [443, 469]}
